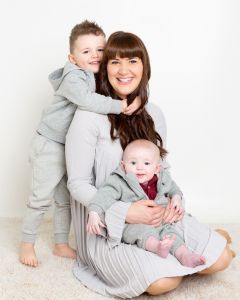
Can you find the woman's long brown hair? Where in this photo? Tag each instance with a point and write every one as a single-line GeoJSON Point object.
{"type": "Point", "coordinates": [139, 125]}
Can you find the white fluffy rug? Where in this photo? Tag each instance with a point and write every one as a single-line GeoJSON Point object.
{"type": "Point", "coordinates": [53, 279]}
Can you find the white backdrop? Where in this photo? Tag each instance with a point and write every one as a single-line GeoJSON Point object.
{"type": "Point", "coordinates": [194, 48]}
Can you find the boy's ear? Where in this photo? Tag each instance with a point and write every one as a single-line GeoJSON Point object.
{"type": "Point", "coordinates": [71, 58]}
{"type": "Point", "coordinates": [122, 165]}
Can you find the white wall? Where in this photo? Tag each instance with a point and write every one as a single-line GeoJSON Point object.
{"type": "Point", "coordinates": [194, 48]}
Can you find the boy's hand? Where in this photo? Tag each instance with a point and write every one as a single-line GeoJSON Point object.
{"type": "Point", "coordinates": [124, 105]}
{"type": "Point", "coordinates": [133, 107]}
{"type": "Point", "coordinates": [176, 203]}
{"type": "Point", "coordinates": [94, 223]}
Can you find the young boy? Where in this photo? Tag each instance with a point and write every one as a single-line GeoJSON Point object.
{"type": "Point", "coordinates": [141, 177]}
{"type": "Point", "coordinates": [74, 87]}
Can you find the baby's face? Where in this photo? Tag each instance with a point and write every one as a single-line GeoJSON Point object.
{"type": "Point", "coordinates": [142, 162]}
{"type": "Point", "coordinates": [88, 52]}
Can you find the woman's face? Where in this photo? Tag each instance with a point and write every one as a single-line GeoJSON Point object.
{"type": "Point", "coordinates": [124, 74]}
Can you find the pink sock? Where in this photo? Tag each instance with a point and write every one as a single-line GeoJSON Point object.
{"type": "Point", "coordinates": [188, 258]}
{"type": "Point", "coordinates": [160, 247]}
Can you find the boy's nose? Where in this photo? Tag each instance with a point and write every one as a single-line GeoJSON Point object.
{"type": "Point", "coordinates": [95, 54]}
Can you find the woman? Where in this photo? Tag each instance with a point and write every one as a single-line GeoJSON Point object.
{"type": "Point", "coordinates": [93, 150]}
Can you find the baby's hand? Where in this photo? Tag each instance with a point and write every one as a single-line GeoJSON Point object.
{"type": "Point", "coordinates": [176, 203]}
{"type": "Point", "coordinates": [133, 106]}
{"type": "Point", "coordinates": [94, 223]}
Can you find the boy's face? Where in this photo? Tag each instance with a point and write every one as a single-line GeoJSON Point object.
{"type": "Point", "coordinates": [143, 162]}
{"type": "Point", "coordinates": [88, 52]}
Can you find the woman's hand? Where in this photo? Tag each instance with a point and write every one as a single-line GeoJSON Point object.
{"type": "Point", "coordinates": [145, 212]}
{"type": "Point", "coordinates": [130, 109]}
{"type": "Point", "coordinates": [171, 215]}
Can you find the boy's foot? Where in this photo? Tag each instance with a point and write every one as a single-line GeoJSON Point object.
{"type": "Point", "coordinates": [188, 258]}
{"type": "Point", "coordinates": [64, 250]}
{"type": "Point", "coordinates": [27, 255]}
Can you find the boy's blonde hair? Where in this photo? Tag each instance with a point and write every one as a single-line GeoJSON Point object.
{"type": "Point", "coordinates": [86, 27]}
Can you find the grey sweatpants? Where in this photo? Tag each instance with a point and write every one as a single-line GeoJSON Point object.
{"type": "Point", "coordinates": [49, 181]}
{"type": "Point", "coordinates": [139, 233]}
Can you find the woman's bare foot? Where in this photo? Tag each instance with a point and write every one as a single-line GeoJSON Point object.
{"type": "Point", "coordinates": [64, 250]}
{"type": "Point", "coordinates": [225, 234]}
{"type": "Point", "coordinates": [27, 255]}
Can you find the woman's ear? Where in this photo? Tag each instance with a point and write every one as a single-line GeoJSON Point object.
{"type": "Point", "coordinates": [71, 58]}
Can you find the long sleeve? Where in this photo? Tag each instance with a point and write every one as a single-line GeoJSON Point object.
{"type": "Point", "coordinates": [106, 196]}
{"type": "Point", "coordinates": [79, 88]}
{"type": "Point", "coordinates": [170, 185]}
{"type": "Point", "coordinates": [80, 154]}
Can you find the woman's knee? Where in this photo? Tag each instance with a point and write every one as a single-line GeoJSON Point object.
{"type": "Point", "coordinates": [221, 264]}
{"type": "Point", "coordinates": [164, 285]}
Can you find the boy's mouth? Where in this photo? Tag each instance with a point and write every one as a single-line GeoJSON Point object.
{"type": "Point", "coordinates": [95, 62]}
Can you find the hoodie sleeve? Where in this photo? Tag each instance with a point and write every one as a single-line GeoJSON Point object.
{"type": "Point", "coordinates": [75, 87]}
{"type": "Point", "coordinates": [106, 196]}
{"type": "Point", "coordinates": [170, 185]}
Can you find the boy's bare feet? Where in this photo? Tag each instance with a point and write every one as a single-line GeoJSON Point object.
{"type": "Point", "coordinates": [64, 250]}
{"type": "Point", "coordinates": [27, 255]}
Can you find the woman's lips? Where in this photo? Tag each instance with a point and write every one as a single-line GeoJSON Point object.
{"type": "Point", "coordinates": [125, 80]}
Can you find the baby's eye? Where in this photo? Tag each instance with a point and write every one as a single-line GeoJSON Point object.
{"type": "Point", "coordinates": [133, 163]}
{"type": "Point", "coordinates": [147, 163]}
{"type": "Point", "coordinates": [85, 51]}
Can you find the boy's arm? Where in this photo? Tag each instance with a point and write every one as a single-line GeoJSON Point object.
{"type": "Point", "coordinates": [75, 88]}
{"type": "Point", "coordinates": [106, 196]}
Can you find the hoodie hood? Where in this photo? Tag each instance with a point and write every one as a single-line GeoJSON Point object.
{"type": "Point", "coordinates": [57, 76]}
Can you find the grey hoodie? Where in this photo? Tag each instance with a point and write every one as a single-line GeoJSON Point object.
{"type": "Point", "coordinates": [121, 186]}
{"type": "Point", "coordinates": [74, 87]}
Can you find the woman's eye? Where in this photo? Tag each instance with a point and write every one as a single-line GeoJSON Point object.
{"type": "Point", "coordinates": [113, 62]}
{"type": "Point", "coordinates": [100, 50]}
{"type": "Point", "coordinates": [133, 61]}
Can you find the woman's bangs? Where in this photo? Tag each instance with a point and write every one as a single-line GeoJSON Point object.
{"type": "Point", "coordinates": [124, 48]}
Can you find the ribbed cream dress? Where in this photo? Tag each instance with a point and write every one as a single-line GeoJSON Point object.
{"type": "Point", "coordinates": [125, 270]}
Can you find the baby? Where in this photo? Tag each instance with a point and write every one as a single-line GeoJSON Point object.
{"type": "Point", "coordinates": [142, 177]}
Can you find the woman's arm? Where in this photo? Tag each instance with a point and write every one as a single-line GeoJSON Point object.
{"type": "Point", "coordinates": [80, 155]}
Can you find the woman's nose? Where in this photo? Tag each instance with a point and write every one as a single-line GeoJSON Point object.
{"type": "Point", "coordinates": [123, 69]}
